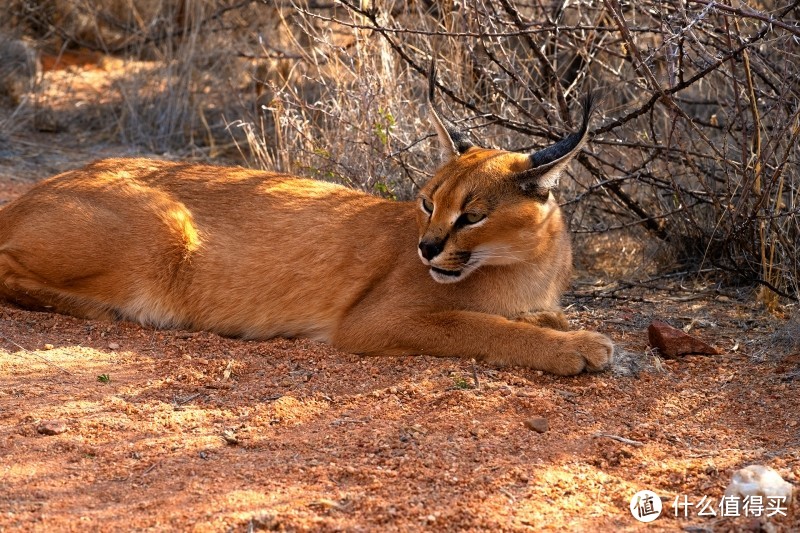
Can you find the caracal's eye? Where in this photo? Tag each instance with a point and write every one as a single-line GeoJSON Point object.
{"type": "Point", "coordinates": [471, 218]}
{"type": "Point", "coordinates": [427, 206]}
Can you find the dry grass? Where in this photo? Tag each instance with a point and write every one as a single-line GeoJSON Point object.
{"type": "Point", "coordinates": [18, 77]}
{"type": "Point", "coordinates": [694, 145]}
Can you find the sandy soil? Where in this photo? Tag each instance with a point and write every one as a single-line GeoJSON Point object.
{"type": "Point", "coordinates": [180, 430]}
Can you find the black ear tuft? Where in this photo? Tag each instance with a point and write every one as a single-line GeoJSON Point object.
{"type": "Point", "coordinates": [567, 144]}
{"type": "Point", "coordinates": [548, 163]}
{"type": "Point", "coordinates": [453, 141]}
{"type": "Point", "coordinates": [462, 139]}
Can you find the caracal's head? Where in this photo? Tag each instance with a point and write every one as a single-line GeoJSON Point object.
{"type": "Point", "coordinates": [490, 207]}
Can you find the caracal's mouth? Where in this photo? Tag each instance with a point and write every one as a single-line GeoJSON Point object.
{"type": "Point", "coordinates": [443, 272]}
{"type": "Point", "coordinates": [446, 275]}
{"type": "Point", "coordinates": [443, 275]}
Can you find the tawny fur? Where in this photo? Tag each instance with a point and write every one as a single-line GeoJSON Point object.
{"type": "Point", "coordinates": [255, 254]}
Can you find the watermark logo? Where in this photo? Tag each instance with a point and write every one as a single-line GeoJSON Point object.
{"type": "Point", "coordinates": [732, 506]}
{"type": "Point", "coordinates": [645, 506]}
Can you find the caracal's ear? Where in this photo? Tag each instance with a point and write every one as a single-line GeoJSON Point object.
{"type": "Point", "coordinates": [453, 141]}
{"type": "Point", "coordinates": [548, 163]}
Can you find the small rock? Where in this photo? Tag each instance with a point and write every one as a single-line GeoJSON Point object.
{"type": "Point", "coordinates": [539, 425]}
{"type": "Point", "coordinates": [230, 437]}
{"type": "Point", "coordinates": [759, 480]}
{"type": "Point", "coordinates": [52, 427]}
{"type": "Point", "coordinates": [48, 346]}
{"type": "Point", "coordinates": [478, 432]}
{"type": "Point", "coordinates": [113, 346]}
{"type": "Point", "coordinates": [265, 521]}
{"type": "Point", "coordinates": [672, 342]}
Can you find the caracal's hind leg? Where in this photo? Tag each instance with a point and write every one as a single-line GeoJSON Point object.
{"type": "Point", "coordinates": [27, 289]}
{"type": "Point", "coordinates": [98, 247]}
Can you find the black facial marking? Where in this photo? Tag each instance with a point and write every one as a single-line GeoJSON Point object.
{"type": "Point", "coordinates": [452, 273]}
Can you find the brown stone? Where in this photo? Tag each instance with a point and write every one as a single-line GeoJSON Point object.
{"type": "Point", "coordinates": [539, 425]}
{"type": "Point", "coordinates": [52, 427]}
{"type": "Point", "coordinates": [672, 342]}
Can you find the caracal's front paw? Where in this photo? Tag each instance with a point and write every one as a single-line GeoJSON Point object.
{"type": "Point", "coordinates": [583, 350]}
{"type": "Point", "coordinates": [546, 319]}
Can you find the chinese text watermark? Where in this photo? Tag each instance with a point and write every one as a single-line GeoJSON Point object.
{"type": "Point", "coordinates": [646, 506]}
